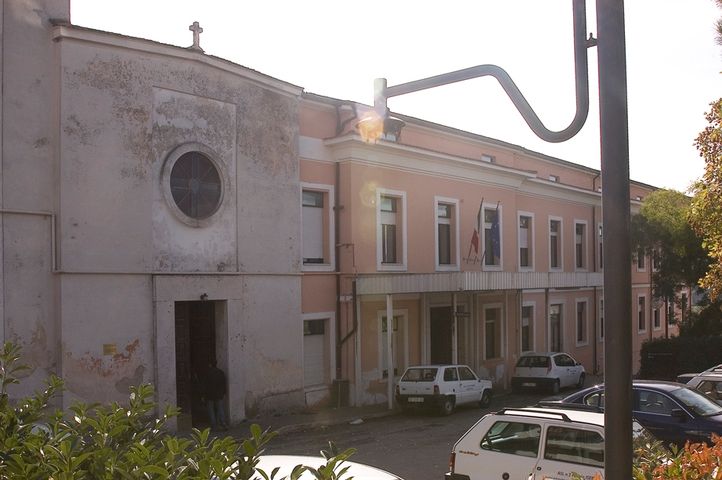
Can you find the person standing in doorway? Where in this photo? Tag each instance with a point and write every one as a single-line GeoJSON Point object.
{"type": "Point", "coordinates": [215, 392]}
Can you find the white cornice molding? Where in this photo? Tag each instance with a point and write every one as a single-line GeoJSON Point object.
{"type": "Point", "coordinates": [80, 34]}
{"type": "Point", "coordinates": [418, 160]}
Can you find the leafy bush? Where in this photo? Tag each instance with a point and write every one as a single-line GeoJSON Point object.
{"type": "Point", "coordinates": [110, 442]}
{"type": "Point", "coordinates": [665, 358]}
{"type": "Point", "coordinates": [697, 461]}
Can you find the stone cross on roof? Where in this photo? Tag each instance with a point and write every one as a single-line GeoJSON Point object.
{"type": "Point", "coordinates": [197, 30]}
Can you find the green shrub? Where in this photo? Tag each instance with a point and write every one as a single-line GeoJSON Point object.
{"type": "Point", "coordinates": [665, 358]}
{"type": "Point", "coordinates": [109, 442]}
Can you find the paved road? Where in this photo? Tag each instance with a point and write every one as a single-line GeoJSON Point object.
{"type": "Point", "coordinates": [414, 446]}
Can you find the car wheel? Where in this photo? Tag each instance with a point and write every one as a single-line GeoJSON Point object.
{"type": "Point", "coordinates": [555, 387]}
{"type": "Point", "coordinates": [485, 399]}
{"type": "Point", "coordinates": [447, 406]}
{"type": "Point", "coordinates": [580, 382]}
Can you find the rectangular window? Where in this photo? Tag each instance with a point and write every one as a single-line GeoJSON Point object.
{"type": "Point", "coordinates": [527, 328]}
{"type": "Point", "coordinates": [492, 237]}
{"type": "Point", "coordinates": [526, 241]}
{"type": "Point", "coordinates": [642, 313]}
{"type": "Point", "coordinates": [398, 339]}
{"type": "Point", "coordinates": [313, 227]}
{"type": "Point", "coordinates": [316, 351]}
{"type": "Point", "coordinates": [641, 264]}
{"type": "Point", "coordinates": [492, 332]}
{"type": "Point", "coordinates": [513, 438]}
{"type": "Point", "coordinates": [555, 247]}
{"type": "Point", "coordinates": [582, 322]}
{"type": "Point", "coordinates": [446, 234]}
{"type": "Point", "coordinates": [656, 259]}
{"type": "Point", "coordinates": [391, 233]}
{"type": "Point", "coordinates": [657, 318]}
{"type": "Point", "coordinates": [580, 245]}
{"type": "Point", "coordinates": [317, 227]}
{"type": "Point", "coordinates": [555, 327]}
{"type": "Point", "coordinates": [601, 249]}
{"type": "Point", "coordinates": [572, 445]}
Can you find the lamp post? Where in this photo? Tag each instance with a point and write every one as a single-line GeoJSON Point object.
{"type": "Point", "coordinates": [615, 195]}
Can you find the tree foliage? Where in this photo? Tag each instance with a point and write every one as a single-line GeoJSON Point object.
{"type": "Point", "coordinates": [661, 230]}
{"type": "Point", "coordinates": [122, 442]}
{"type": "Point", "coordinates": [705, 214]}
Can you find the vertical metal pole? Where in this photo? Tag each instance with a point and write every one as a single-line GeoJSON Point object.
{"type": "Point", "coordinates": [616, 237]}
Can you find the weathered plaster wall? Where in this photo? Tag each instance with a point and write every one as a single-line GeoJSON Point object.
{"type": "Point", "coordinates": [28, 68]}
{"type": "Point", "coordinates": [122, 113]}
{"type": "Point", "coordinates": [100, 310]}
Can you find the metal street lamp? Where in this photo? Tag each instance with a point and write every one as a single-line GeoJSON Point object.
{"type": "Point", "coordinates": [615, 195]}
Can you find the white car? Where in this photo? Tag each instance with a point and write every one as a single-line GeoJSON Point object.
{"type": "Point", "coordinates": [709, 383]}
{"type": "Point", "coordinates": [441, 387]}
{"type": "Point", "coordinates": [550, 370]}
{"type": "Point", "coordinates": [533, 443]}
{"type": "Point", "coordinates": [286, 464]}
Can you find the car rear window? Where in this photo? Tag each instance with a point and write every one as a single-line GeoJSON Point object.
{"type": "Point", "coordinates": [574, 445]}
{"type": "Point", "coordinates": [419, 375]}
{"type": "Point", "coordinates": [516, 438]}
{"type": "Point", "coordinates": [533, 361]}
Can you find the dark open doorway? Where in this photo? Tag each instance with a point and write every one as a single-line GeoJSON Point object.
{"type": "Point", "coordinates": [195, 346]}
{"type": "Point", "coordinates": [441, 334]}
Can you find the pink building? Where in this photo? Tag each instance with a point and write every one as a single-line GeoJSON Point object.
{"type": "Point", "coordinates": [480, 250]}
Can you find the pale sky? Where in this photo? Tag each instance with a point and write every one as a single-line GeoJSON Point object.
{"type": "Point", "coordinates": [336, 48]}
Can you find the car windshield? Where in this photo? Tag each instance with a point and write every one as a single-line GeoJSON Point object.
{"type": "Point", "coordinates": [533, 361]}
{"type": "Point", "coordinates": [696, 401]}
{"type": "Point", "coordinates": [419, 375]}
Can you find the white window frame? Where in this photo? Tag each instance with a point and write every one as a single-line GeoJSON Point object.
{"type": "Point", "coordinates": [455, 253]}
{"type": "Point", "coordinates": [386, 267]}
{"type": "Point", "coordinates": [585, 246]}
{"type": "Point", "coordinates": [328, 191]}
{"type": "Point", "coordinates": [643, 268]}
{"type": "Point", "coordinates": [502, 333]}
{"type": "Point", "coordinates": [562, 308]}
{"type": "Point", "coordinates": [482, 234]}
{"type": "Point", "coordinates": [403, 324]}
{"type": "Point", "coordinates": [658, 310]}
{"type": "Point", "coordinates": [642, 310]}
{"type": "Point", "coordinates": [330, 318]}
{"type": "Point", "coordinates": [560, 237]}
{"type": "Point", "coordinates": [532, 250]}
{"type": "Point", "coordinates": [532, 342]}
{"type": "Point", "coordinates": [585, 301]}
{"type": "Point", "coordinates": [600, 246]}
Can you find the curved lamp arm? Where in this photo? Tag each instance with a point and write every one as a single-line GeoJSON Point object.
{"type": "Point", "coordinates": [382, 92]}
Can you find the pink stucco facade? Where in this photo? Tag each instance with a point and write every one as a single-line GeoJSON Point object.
{"type": "Point", "coordinates": [404, 215]}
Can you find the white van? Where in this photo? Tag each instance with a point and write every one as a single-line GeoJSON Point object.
{"type": "Point", "coordinates": [532, 443]}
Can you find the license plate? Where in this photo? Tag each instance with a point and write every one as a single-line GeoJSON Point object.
{"type": "Point", "coordinates": [528, 384]}
{"type": "Point", "coordinates": [415, 400]}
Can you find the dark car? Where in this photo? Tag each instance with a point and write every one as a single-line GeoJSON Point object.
{"type": "Point", "coordinates": [672, 412]}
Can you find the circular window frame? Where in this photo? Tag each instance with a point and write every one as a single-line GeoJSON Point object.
{"type": "Point", "coordinates": [168, 165]}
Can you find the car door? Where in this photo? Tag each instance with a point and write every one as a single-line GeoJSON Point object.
{"type": "Point", "coordinates": [567, 451]}
{"type": "Point", "coordinates": [565, 369]}
{"type": "Point", "coordinates": [509, 449]}
{"type": "Point", "coordinates": [470, 385]}
{"type": "Point", "coordinates": [452, 385]}
{"type": "Point", "coordinates": [654, 410]}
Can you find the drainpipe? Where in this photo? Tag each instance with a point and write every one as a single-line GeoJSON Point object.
{"type": "Point", "coordinates": [337, 267]}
